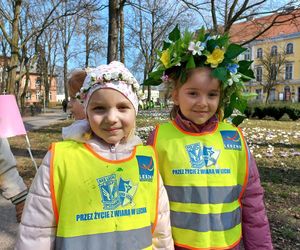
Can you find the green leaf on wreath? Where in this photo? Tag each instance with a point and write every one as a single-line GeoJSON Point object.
{"type": "Point", "coordinates": [201, 34]}
{"type": "Point", "coordinates": [191, 63]}
{"type": "Point", "coordinates": [220, 73]}
{"type": "Point", "coordinates": [234, 50]}
{"type": "Point", "coordinates": [175, 34]}
{"type": "Point", "coordinates": [166, 45]}
{"type": "Point", "coordinates": [237, 120]}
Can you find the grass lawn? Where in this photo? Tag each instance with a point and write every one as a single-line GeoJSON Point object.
{"type": "Point", "coordinates": [274, 144]}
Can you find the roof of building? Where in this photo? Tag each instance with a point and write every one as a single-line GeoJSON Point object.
{"type": "Point", "coordinates": [286, 24]}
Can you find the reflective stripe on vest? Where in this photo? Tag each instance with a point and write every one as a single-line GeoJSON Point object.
{"type": "Point", "coordinates": [127, 240]}
{"type": "Point", "coordinates": [204, 195]}
{"type": "Point", "coordinates": [205, 176]}
{"type": "Point", "coordinates": [103, 202]}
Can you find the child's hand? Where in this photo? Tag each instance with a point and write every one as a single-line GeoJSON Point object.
{"type": "Point", "coordinates": [19, 210]}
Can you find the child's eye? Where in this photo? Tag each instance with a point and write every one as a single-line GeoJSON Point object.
{"type": "Point", "coordinates": [192, 93]}
{"type": "Point", "coordinates": [213, 94]}
{"type": "Point", "coordinates": [97, 109]}
{"type": "Point", "coordinates": [123, 107]}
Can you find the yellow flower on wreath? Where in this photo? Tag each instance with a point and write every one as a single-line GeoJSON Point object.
{"type": "Point", "coordinates": [165, 57]}
{"type": "Point", "coordinates": [216, 57]}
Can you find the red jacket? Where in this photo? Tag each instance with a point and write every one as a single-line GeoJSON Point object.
{"type": "Point", "coordinates": [255, 224]}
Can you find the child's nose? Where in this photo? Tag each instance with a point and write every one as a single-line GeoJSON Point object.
{"type": "Point", "coordinates": [111, 116]}
{"type": "Point", "coordinates": [201, 101]}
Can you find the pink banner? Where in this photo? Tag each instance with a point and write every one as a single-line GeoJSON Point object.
{"type": "Point", "coordinates": [11, 123]}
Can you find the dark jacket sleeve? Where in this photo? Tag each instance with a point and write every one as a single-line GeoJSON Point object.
{"type": "Point", "coordinates": [255, 224]}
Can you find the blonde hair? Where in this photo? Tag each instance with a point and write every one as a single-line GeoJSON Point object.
{"type": "Point", "coordinates": [175, 84]}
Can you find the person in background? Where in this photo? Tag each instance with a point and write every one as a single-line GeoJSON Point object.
{"type": "Point", "coordinates": [212, 180]}
{"type": "Point", "coordinates": [75, 105]}
{"type": "Point", "coordinates": [12, 186]}
{"type": "Point", "coordinates": [64, 105]}
{"type": "Point", "coordinates": [74, 84]}
{"type": "Point", "coordinates": [105, 193]}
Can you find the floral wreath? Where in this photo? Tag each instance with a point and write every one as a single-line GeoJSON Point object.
{"type": "Point", "coordinates": [181, 53]}
{"type": "Point", "coordinates": [96, 76]}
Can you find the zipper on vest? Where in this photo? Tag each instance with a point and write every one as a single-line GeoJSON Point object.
{"type": "Point", "coordinates": [112, 148]}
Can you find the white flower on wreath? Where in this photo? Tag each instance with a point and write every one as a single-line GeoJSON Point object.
{"type": "Point", "coordinates": [114, 75]}
{"type": "Point", "coordinates": [196, 48]}
{"type": "Point", "coordinates": [125, 77]}
{"type": "Point", "coordinates": [234, 78]}
{"type": "Point", "coordinates": [107, 76]}
{"type": "Point", "coordinates": [130, 81]}
{"type": "Point", "coordinates": [136, 85]}
{"type": "Point", "coordinates": [140, 94]}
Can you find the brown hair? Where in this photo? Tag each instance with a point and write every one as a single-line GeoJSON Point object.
{"type": "Point", "coordinates": [75, 82]}
{"type": "Point", "coordinates": [175, 84]}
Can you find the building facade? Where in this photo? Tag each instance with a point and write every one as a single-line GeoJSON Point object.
{"type": "Point", "coordinates": [35, 90]}
{"type": "Point", "coordinates": [281, 41]}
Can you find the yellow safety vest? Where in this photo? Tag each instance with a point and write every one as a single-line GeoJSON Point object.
{"type": "Point", "coordinates": [205, 176]}
{"type": "Point", "coordinates": [100, 203]}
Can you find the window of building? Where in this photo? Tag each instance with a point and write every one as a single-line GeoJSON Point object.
{"type": "Point", "coordinates": [273, 72]}
{"type": "Point", "coordinates": [28, 95]}
{"type": "Point", "coordinates": [247, 55]}
{"type": "Point", "coordinates": [259, 94]}
{"type": "Point", "coordinates": [259, 74]}
{"type": "Point", "coordinates": [38, 95]}
{"type": "Point", "coordinates": [272, 94]}
{"type": "Point", "coordinates": [259, 53]}
{"type": "Point", "coordinates": [287, 93]}
{"type": "Point", "coordinates": [274, 51]}
{"type": "Point", "coordinates": [289, 48]}
{"type": "Point", "coordinates": [38, 82]}
{"type": "Point", "coordinates": [288, 71]}
{"type": "Point", "coordinates": [50, 95]}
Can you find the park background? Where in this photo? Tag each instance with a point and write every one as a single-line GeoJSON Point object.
{"type": "Point", "coordinates": [43, 41]}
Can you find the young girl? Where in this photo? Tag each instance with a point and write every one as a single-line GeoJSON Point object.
{"type": "Point", "coordinates": [105, 193]}
{"type": "Point", "coordinates": [210, 176]}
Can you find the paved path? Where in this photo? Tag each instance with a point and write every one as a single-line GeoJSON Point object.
{"type": "Point", "coordinates": [8, 223]}
{"type": "Point", "coordinates": [44, 119]}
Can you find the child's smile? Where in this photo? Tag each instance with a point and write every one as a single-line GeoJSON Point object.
{"type": "Point", "coordinates": [111, 115]}
{"type": "Point", "coordinates": [198, 98]}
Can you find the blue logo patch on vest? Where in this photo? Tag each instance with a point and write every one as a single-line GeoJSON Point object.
{"type": "Point", "coordinates": [109, 191]}
{"type": "Point", "coordinates": [231, 140]}
{"type": "Point", "coordinates": [202, 156]}
{"type": "Point", "coordinates": [146, 167]}
{"type": "Point", "coordinates": [114, 194]}
{"type": "Point", "coordinates": [127, 191]}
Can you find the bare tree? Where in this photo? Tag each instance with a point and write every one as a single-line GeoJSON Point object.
{"type": "Point", "coordinates": [3, 68]}
{"type": "Point", "coordinates": [67, 28]}
{"type": "Point", "coordinates": [90, 29]}
{"type": "Point", "coordinates": [11, 12]}
{"type": "Point", "coordinates": [219, 16]}
{"type": "Point", "coordinates": [152, 21]}
{"type": "Point", "coordinates": [273, 65]}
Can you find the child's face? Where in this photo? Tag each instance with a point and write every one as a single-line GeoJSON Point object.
{"type": "Point", "coordinates": [111, 115]}
{"type": "Point", "coordinates": [198, 98]}
{"type": "Point", "coordinates": [76, 108]}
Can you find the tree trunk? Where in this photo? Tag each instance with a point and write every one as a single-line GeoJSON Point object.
{"type": "Point", "coordinates": [46, 83]}
{"type": "Point", "coordinates": [87, 43]}
{"type": "Point", "coordinates": [23, 95]}
{"type": "Point", "coordinates": [12, 70]}
{"type": "Point", "coordinates": [112, 50]}
{"type": "Point", "coordinates": [122, 43]}
{"type": "Point", "coordinates": [66, 74]}
{"type": "Point", "coordinates": [4, 75]}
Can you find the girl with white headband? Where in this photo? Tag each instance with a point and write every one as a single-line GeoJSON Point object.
{"type": "Point", "coordinates": [106, 192]}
